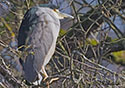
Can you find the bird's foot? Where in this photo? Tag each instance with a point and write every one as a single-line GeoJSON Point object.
{"type": "Point", "coordinates": [53, 79]}
{"type": "Point", "coordinates": [47, 84]}
{"type": "Point", "coordinates": [45, 78]}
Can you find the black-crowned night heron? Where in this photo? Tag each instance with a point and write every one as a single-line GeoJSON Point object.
{"type": "Point", "coordinates": [37, 38]}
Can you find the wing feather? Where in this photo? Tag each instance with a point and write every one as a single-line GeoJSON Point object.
{"type": "Point", "coordinates": [37, 30]}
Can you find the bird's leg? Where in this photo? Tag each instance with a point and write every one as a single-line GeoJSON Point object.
{"type": "Point", "coordinates": [40, 78]}
{"type": "Point", "coordinates": [38, 82]}
{"type": "Point", "coordinates": [46, 76]}
{"type": "Point", "coordinates": [44, 73]}
{"type": "Point", "coordinates": [48, 85]}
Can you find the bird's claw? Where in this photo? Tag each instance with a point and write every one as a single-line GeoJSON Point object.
{"type": "Point", "coordinates": [45, 78]}
{"type": "Point", "coordinates": [53, 79]}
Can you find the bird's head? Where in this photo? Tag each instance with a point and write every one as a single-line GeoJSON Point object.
{"type": "Point", "coordinates": [62, 15]}
{"type": "Point", "coordinates": [59, 15]}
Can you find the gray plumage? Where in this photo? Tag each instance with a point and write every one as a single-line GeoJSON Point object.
{"type": "Point", "coordinates": [39, 30]}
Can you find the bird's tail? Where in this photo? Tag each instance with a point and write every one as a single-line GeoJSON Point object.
{"type": "Point", "coordinates": [29, 72]}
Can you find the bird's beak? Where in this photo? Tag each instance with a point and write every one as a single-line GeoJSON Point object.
{"type": "Point", "coordinates": [63, 15]}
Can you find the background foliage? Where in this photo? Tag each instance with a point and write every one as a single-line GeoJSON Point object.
{"type": "Point", "coordinates": [90, 49]}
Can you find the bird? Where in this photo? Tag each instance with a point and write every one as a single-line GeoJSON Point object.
{"type": "Point", "coordinates": [37, 37]}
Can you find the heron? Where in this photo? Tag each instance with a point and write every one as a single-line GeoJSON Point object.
{"type": "Point", "coordinates": [37, 38]}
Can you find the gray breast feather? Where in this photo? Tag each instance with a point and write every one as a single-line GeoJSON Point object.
{"type": "Point", "coordinates": [42, 37]}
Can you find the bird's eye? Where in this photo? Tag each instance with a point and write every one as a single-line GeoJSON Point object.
{"type": "Point", "coordinates": [56, 10]}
